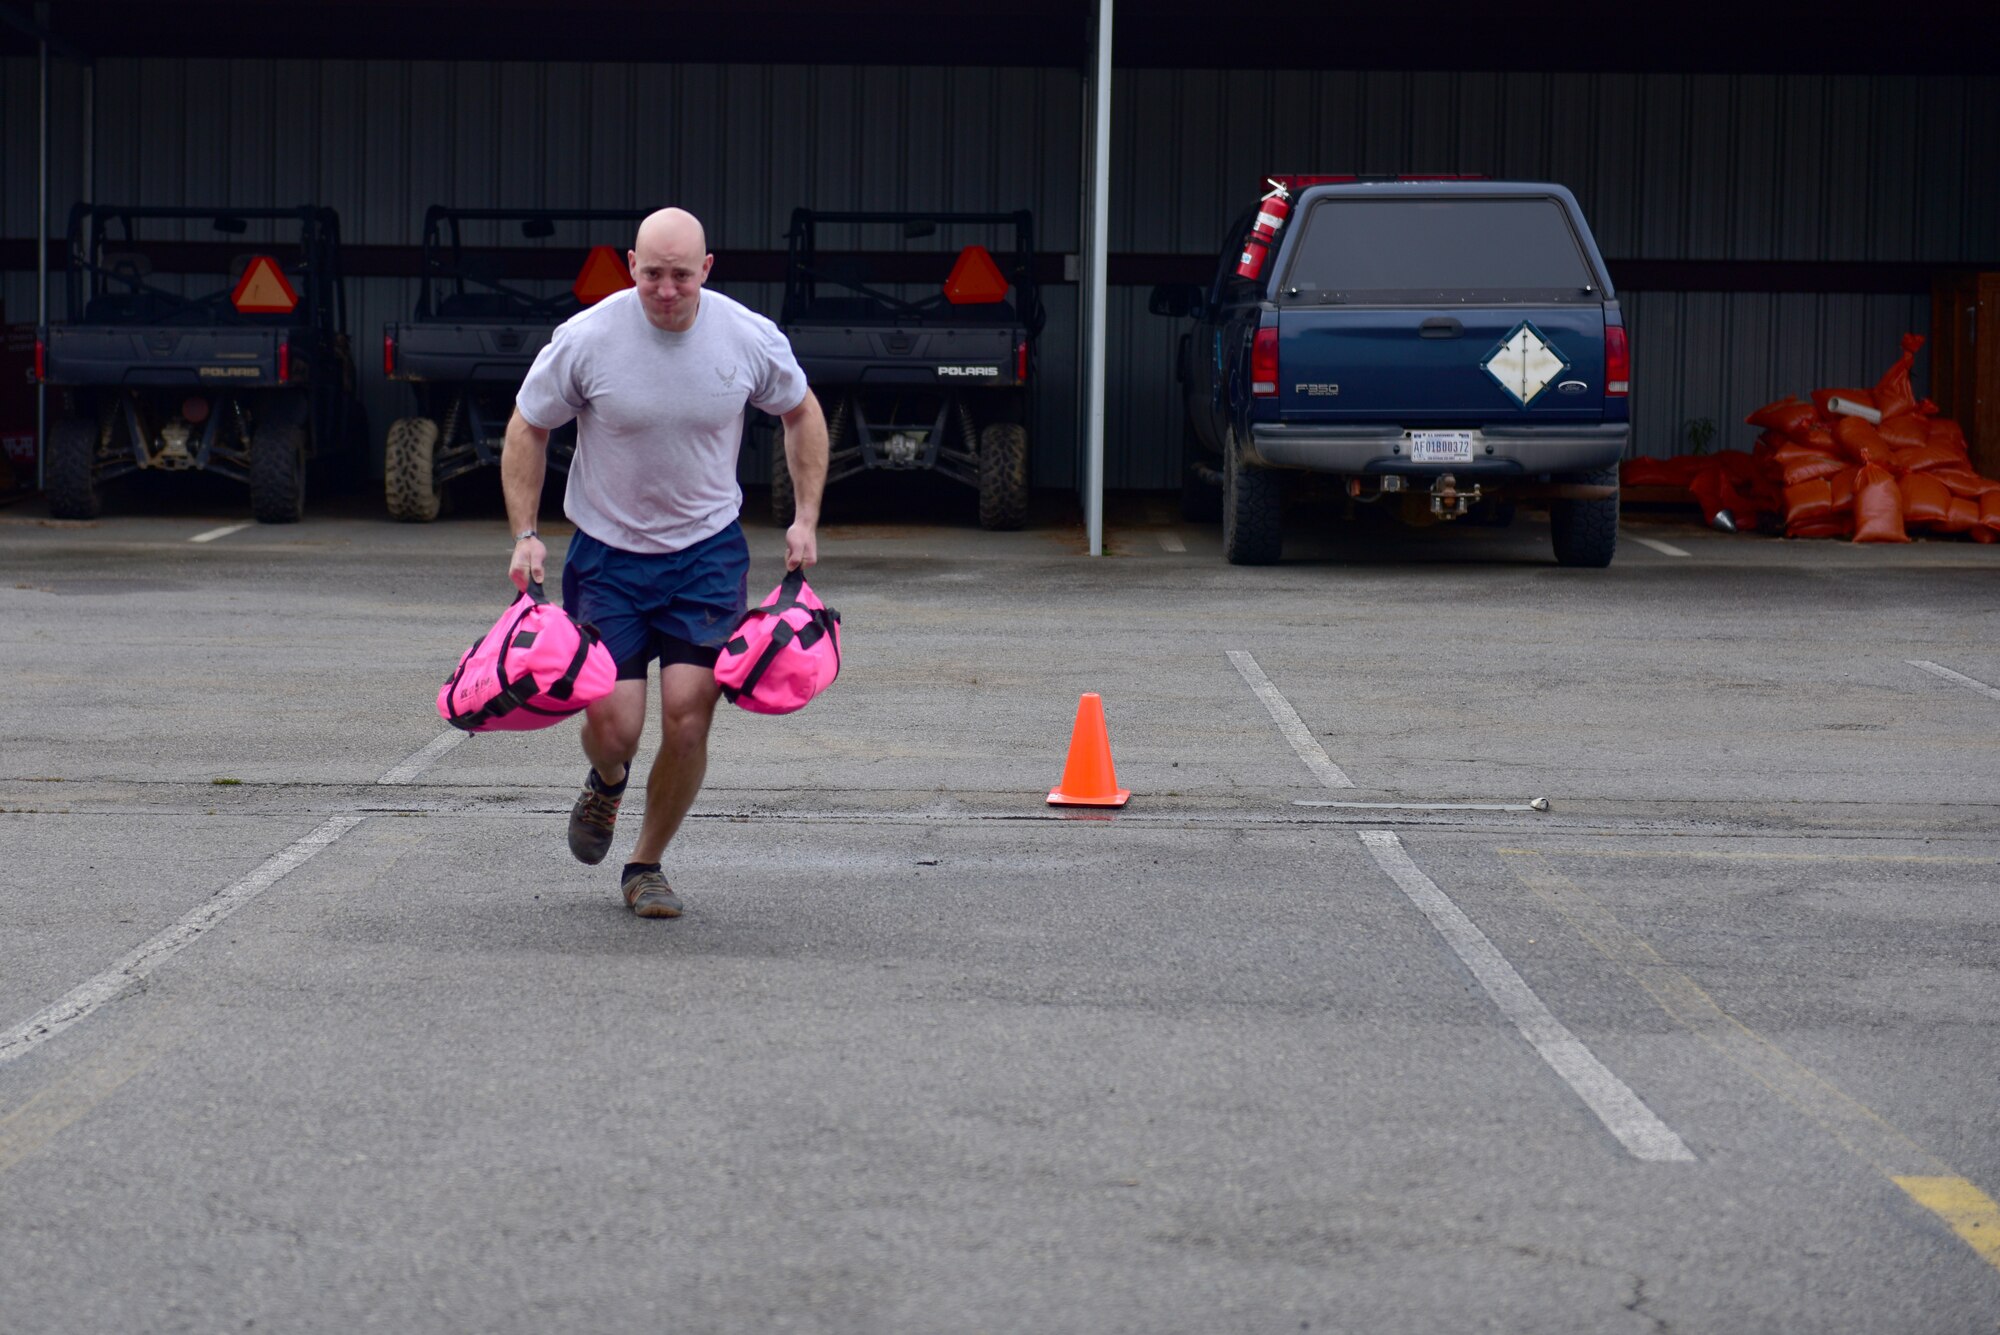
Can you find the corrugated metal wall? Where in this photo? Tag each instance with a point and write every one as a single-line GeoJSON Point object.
{"type": "Point", "coordinates": [739, 145]}
{"type": "Point", "coordinates": [1667, 167]}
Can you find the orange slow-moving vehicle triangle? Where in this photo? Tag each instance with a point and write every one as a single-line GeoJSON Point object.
{"type": "Point", "coordinates": [975, 280]}
{"type": "Point", "coordinates": [604, 272]}
{"type": "Point", "coordinates": [1088, 778]}
{"type": "Point", "coordinates": [262, 290]}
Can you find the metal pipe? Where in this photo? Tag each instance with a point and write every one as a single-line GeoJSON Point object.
{"type": "Point", "coordinates": [90, 134]}
{"type": "Point", "coordinates": [42, 255]}
{"type": "Point", "coordinates": [1096, 277]}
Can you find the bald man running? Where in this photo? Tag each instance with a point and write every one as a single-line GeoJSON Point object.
{"type": "Point", "coordinates": [657, 379]}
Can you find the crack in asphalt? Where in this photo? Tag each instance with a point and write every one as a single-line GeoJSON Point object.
{"type": "Point", "coordinates": [1259, 809]}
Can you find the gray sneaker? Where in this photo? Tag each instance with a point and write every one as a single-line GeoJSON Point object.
{"type": "Point", "coordinates": [592, 821]}
{"type": "Point", "coordinates": [648, 895]}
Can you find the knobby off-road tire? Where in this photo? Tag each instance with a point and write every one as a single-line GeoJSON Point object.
{"type": "Point", "coordinates": [1252, 534]}
{"type": "Point", "coordinates": [409, 470]}
{"type": "Point", "coordinates": [784, 501]}
{"type": "Point", "coordinates": [278, 473]}
{"type": "Point", "coordinates": [71, 473]}
{"type": "Point", "coordinates": [1003, 476]}
{"type": "Point", "coordinates": [1585, 533]}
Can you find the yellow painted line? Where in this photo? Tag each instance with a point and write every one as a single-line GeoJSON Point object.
{"type": "Point", "coordinates": [1987, 861]}
{"type": "Point", "coordinates": [1859, 1128]}
{"type": "Point", "coordinates": [1969, 1211]}
{"type": "Point", "coordinates": [55, 1108]}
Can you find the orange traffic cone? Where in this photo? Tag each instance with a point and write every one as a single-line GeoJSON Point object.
{"type": "Point", "coordinates": [1088, 779]}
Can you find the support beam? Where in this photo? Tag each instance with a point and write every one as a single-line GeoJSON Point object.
{"type": "Point", "coordinates": [42, 254]}
{"type": "Point", "coordinates": [1093, 275]}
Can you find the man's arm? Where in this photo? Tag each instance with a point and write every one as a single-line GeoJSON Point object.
{"type": "Point", "coordinates": [523, 462]}
{"type": "Point", "coordinates": [805, 456]}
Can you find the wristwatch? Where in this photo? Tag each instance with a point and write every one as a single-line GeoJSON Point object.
{"type": "Point", "coordinates": [525, 534]}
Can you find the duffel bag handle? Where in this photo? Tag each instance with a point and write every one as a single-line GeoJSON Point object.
{"type": "Point", "coordinates": [788, 591]}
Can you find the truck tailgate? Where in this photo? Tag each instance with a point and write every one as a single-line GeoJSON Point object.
{"type": "Point", "coordinates": [162, 355]}
{"type": "Point", "coordinates": [889, 355]}
{"type": "Point", "coordinates": [1454, 365]}
{"type": "Point", "coordinates": [491, 352]}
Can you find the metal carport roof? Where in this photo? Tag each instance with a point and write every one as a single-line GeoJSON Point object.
{"type": "Point", "coordinates": [1190, 34]}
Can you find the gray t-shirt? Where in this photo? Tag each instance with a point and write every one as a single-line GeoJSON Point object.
{"type": "Point", "coordinates": [659, 415]}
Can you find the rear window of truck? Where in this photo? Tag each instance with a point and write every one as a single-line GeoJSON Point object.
{"type": "Point", "coordinates": [1388, 250]}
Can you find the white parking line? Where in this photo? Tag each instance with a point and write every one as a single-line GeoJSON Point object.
{"type": "Point", "coordinates": [1663, 548]}
{"type": "Point", "coordinates": [80, 1001]}
{"type": "Point", "coordinates": [215, 533]}
{"type": "Point", "coordinates": [424, 758]}
{"type": "Point", "coordinates": [1642, 1134]}
{"type": "Point", "coordinates": [1969, 683]}
{"type": "Point", "coordinates": [1172, 542]}
{"type": "Point", "coordinates": [1289, 723]}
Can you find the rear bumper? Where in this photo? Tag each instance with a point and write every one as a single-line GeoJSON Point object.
{"type": "Point", "coordinates": [1500, 451]}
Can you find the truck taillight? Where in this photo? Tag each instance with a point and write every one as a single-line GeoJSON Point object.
{"type": "Point", "coordinates": [284, 360]}
{"type": "Point", "coordinates": [1021, 361]}
{"type": "Point", "coordinates": [1617, 362]}
{"type": "Point", "coordinates": [41, 360]}
{"type": "Point", "coordinates": [388, 353]}
{"type": "Point", "coordinates": [1264, 363]}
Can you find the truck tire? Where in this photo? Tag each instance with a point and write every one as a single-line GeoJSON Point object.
{"type": "Point", "coordinates": [1003, 476]}
{"type": "Point", "coordinates": [278, 472]}
{"type": "Point", "coordinates": [1252, 534]}
{"type": "Point", "coordinates": [1585, 533]}
{"type": "Point", "coordinates": [71, 473]}
{"type": "Point", "coordinates": [784, 502]}
{"type": "Point", "coordinates": [1201, 500]}
{"type": "Point", "coordinates": [409, 470]}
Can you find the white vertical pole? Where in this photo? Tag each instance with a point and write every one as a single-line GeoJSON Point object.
{"type": "Point", "coordinates": [1085, 229]}
{"type": "Point", "coordinates": [90, 133]}
{"type": "Point", "coordinates": [42, 256]}
{"type": "Point", "coordinates": [1095, 276]}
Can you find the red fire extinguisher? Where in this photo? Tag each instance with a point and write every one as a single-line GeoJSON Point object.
{"type": "Point", "coordinates": [1271, 213]}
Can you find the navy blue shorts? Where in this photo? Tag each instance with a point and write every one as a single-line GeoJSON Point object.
{"type": "Point", "coordinates": [677, 607]}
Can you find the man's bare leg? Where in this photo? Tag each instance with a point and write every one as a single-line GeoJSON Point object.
{"type": "Point", "coordinates": [611, 730]}
{"type": "Point", "coordinates": [687, 707]}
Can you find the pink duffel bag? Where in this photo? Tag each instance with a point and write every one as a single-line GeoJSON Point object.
{"type": "Point", "coordinates": [536, 667]}
{"type": "Point", "coordinates": [783, 653]}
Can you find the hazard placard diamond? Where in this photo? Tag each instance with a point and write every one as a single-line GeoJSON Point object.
{"type": "Point", "coordinates": [1525, 363]}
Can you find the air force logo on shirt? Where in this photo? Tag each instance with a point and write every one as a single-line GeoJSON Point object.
{"type": "Point", "coordinates": [727, 375]}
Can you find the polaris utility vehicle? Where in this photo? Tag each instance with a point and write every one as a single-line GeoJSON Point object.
{"type": "Point", "coordinates": [938, 381]}
{"type": "Point", "coordinates": [478, 324]}
{"type": "Point", "coordinates": [251, 379]}
{"type": "Point", "coordinates": [1446, 347]}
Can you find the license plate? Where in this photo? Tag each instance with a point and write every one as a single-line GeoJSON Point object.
{"type": "Point", "coordinates": [1440, 447]}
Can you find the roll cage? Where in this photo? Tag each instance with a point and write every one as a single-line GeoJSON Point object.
{"type": "Point", "coordinates": [860, 278]}
{"type": "Point", "coordinates": [111, 264]}
{"type": "Point", "coordinates": [460, 283]}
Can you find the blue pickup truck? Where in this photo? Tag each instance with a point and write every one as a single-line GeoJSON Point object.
{"type": "Point", "coordinates": [1445, 347]}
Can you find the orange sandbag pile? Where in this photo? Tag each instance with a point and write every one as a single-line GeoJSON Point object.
{"type": "Point", "coordinates": [1827, 469]}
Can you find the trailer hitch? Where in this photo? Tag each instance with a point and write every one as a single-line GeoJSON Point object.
{"type": "Point", "coordinates": [1447, 501]}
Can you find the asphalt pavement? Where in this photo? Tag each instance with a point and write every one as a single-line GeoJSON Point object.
{"type": "Point", "coordinates": [309, 1022]}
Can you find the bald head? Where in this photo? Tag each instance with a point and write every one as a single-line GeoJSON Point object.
{"type": "Point", "coordinates": [670, 262]}
{"type": "Point", "coordinates": [673, 232]}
